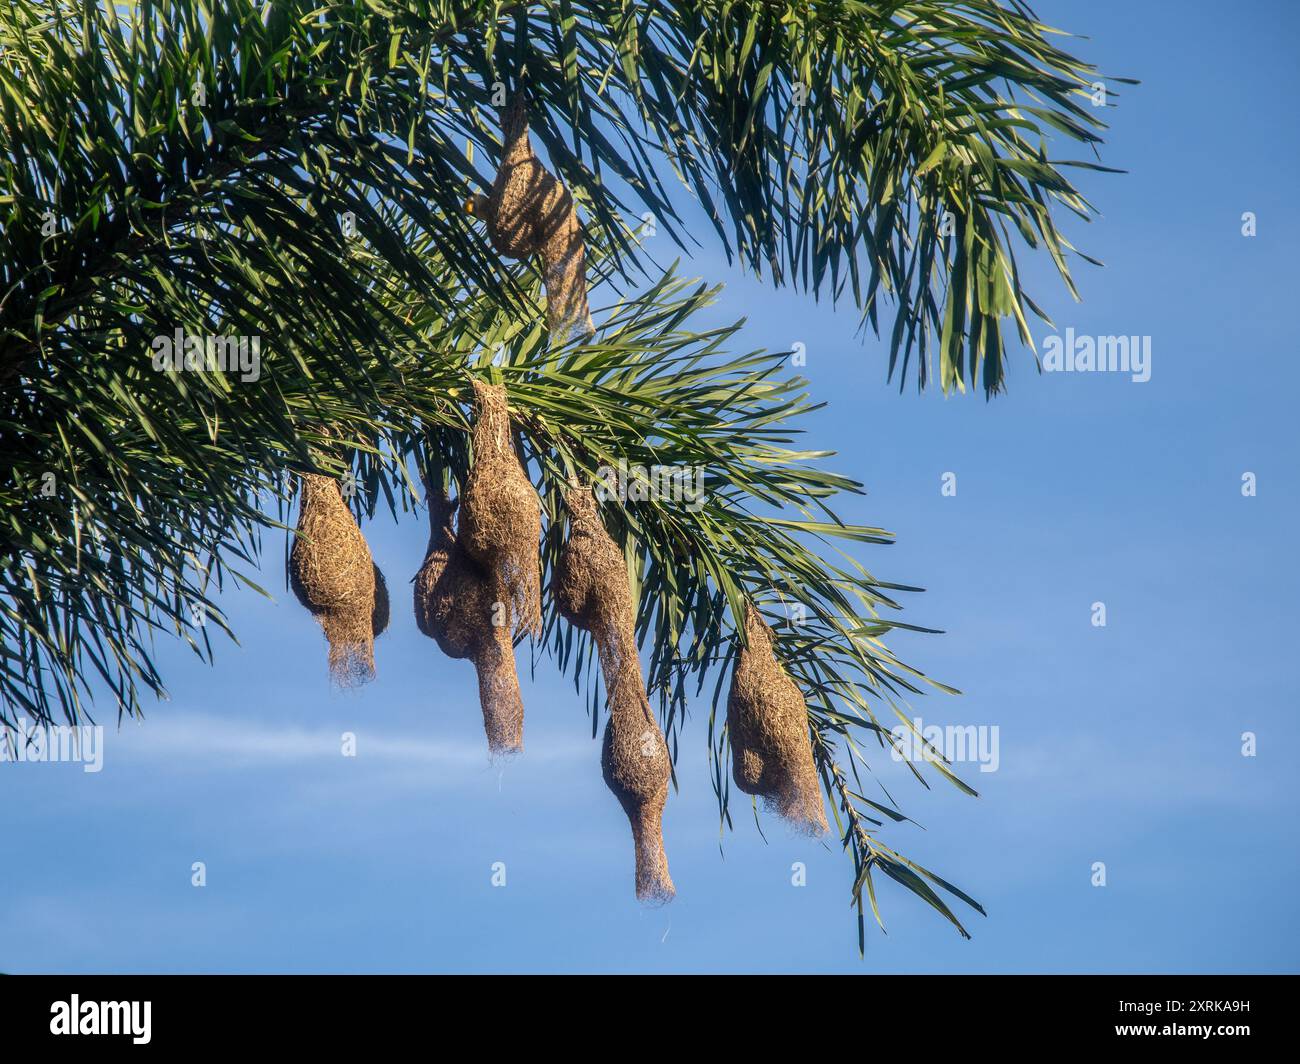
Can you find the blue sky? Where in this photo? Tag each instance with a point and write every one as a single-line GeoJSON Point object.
{"type": "Point", "coordinates": [1119, 744]}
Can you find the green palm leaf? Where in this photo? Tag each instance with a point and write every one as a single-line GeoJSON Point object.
{"type": "Point", "coordinates": [294, 173]}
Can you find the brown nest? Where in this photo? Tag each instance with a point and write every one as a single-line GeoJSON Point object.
{"type": "Point", "coordinates": [500, 515]}
{"type": "Point", "coordinates": [460, 604]}
{"type": "Point", "coordinates": [592, 592]}
{"type": "Point", "coordinates": [767, 721]}
{"type": "Point", "coordinates": [530, 212]}
{"type": "Point", "coordinates": [333, 575]}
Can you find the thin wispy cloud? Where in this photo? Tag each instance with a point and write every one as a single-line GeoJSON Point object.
{"type": "Point", "coordinates": [199, 740]}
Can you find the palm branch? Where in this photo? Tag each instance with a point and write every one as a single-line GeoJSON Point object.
{"type": "Point", "coordinates": [295, 172]}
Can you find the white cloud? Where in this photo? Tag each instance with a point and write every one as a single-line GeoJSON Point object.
{"type": "Point", "coordinates": [199, 740]}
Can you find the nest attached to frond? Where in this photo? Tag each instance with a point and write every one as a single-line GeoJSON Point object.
{"type": "Point", "coordinates": [530, 212]}
{"type": "Point", "coordinates": [500, 514]}
{"type": "Point", "coordinates": [592, 592]}
{"type": "Point", "coordinates": [334, 576]}
{"type": "Point", "coordinates": [463, 607]}
{"type": "Point", "coordinates": [767, 721]}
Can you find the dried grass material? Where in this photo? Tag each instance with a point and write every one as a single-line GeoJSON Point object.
{"type": "Point", "coordinates": [333, 575]}
{"type": "Point", "coordinates": [456, 604]}
{"type": "Point", "coordinates": [500, 514]}
{"type": "Point", "coordinates": [767, 720]}
{"type": "Point", "coordinates": [530, 212]}
{"type": "Point", "coordinates": [634, 764]}
{"type": "Point", "coordinates": [592, 592]}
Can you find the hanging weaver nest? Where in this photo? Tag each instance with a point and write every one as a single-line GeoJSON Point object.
{"type": "Point", "coordinates": [592, 592]}
{"type": "Point", "coordinates": [767, 721]}
{"type": "Point", "coordinates": [500, 515]}
{"type": "Point", "coordinates": [529, 212]}
{"type": "Point", "coordinates": [333, 575]}
{"type": "Point", "coordinates": [461, 605]}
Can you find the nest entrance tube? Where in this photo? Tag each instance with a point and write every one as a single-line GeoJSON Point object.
{"type": "Point", "coordinates": [462, 606]}
{"type": "Point", "coordinates": [767, 721]}
{"type": "Point", "coordinates": [334, 576]}
{"type": "Point", "coordinates": [634, 765]}
{"type": "Point", "coordinates": [592, 592]}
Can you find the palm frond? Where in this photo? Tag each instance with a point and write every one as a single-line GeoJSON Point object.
{"type": "Point", "coordinates": [293, 173]}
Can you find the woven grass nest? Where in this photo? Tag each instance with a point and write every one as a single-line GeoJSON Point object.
{"type": "Point", "coordinates": [459, 603]}
{"type": "Point", "coordinates": [500, 514]}
{"type": "Point", "coordinates": [592, 592]}
{"type": "Point", "coordinates": [767, 721]}
{"type": "Point", "coordinates": [530, 212]}
{"type": "Point", "coordinates": [480, 583]}
{"type": "Point", "coordinates": [333, 575]}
